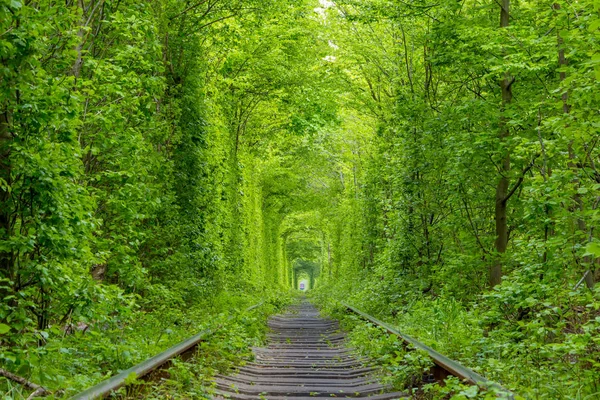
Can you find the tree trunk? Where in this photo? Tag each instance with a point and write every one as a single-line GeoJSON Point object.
{"type": "Point", "coordinates": [76, 70]}
{"type": "Point", "coordinates": [502, 187]}
{"type": "Point", "coordinates": [330, 267]}
{"type": "Point", "coordinates": [577, 200]}
{"type": "Point", "coordinates": [6, 257]}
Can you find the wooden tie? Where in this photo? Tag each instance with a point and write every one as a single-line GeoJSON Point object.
{"type": "Point", "coordinates": [305, 359]}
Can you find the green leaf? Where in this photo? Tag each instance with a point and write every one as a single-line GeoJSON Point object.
{"type": "Point", "coordinates": [592, 249]}
{"type": "Point", "coordinates": [131, 378]}
{"type": "Point", "coordinates": [471, 392]}
{"type": "Point", "coordinates": [4, 329]}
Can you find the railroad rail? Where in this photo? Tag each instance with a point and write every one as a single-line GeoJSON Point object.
{"type": "Point", "coordinates": [444, 366]}
{"type": "Point", "coordinates": [305, 359]}
{"type": "Point", "coordinates": [184, 348]}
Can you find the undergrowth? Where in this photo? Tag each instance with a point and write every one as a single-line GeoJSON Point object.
{"type": "Point", "coordinates": [70, 362]}
{"type": "Point", "coordinates": [402, 367]}
{"type": "Point", "coordinates": [541, 342]}
{"type": "Point", "coordinates": [229, 346]}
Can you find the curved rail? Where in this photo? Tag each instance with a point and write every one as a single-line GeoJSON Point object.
{"type": "Point", "coordinates": [108, 386]}
{"type": "Point", "coordinates": [447, 365]}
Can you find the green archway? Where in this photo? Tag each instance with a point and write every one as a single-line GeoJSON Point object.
{"type": "Point", "coordinates": [305, 270]}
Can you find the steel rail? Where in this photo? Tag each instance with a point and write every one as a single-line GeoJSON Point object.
{"type": "Point", "coordinates": [447, 364]}
{"type": "Point", "coordinates": [104, 388]}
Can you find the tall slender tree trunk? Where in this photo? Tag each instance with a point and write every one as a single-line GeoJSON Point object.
{"type": "Point", "coordinates": [76, 70]}
{"type": "Point", "coordinates": [577, 200]}
{"type": "Point", "coordinates": [329, 259]}
{"type": "Point", "coordinates": [6, 258]}
{"type": "Point", "coordinates": [502, 187]}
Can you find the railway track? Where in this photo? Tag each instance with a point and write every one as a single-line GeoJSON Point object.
{"type": "Point", "coordinates": [305, 359]}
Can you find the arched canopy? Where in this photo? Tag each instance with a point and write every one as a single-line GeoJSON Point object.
{"type": "Point", "coordinates": [305, 270]}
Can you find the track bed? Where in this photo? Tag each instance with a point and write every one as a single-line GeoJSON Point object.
{"type": "Point", "coordinates": [305, 359]}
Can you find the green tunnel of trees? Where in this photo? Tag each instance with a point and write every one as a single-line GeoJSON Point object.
{"type": "Point", "coordinates": [306, 271]}
{"type": "Point", "coordinates": [436, 163]}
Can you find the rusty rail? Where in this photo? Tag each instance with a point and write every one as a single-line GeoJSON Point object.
{"type": "Point", "coordinates": [445, 366]}
{"type": "Point", "coordinates": [108, 386]}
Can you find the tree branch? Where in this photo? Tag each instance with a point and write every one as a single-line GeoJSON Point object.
{"type": "Point", "coordinates": [521, 178]}
{"type": "Point", "coordinates": [188, 9]}
{"type": "Point", "coordinates": [37, 389]}
{"type": "Point", "coordinates": [215, 21]}
{"type": "Point", "coordinates": [473, 226]}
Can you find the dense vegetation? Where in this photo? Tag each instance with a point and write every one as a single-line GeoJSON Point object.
{"type": "Point", "coordinates": [167, 161]}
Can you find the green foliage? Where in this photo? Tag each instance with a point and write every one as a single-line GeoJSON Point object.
{"type": "Point", "coordinates": [230, 345]}
{"type": "Point", "coordinates": [413, 228]}
{"type": "Point", "coordinates": [404, 368]}
{"type": "Point", "coordinates": [162, 162]}
{"type": "Point", "coordinates": [132, 138]}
